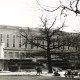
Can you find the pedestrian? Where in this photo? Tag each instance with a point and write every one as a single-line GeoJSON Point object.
{"type": "Point", "coordinates": [39, 70]}
{"type": "Point", "coordinates": [68, 74]}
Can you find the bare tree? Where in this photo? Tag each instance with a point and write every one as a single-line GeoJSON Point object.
{"type": "Point", "coordinates": [47, 34]}
{"type": "Point", "coordinates": [74, 6]}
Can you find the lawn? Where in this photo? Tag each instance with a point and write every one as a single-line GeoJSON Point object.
{"type": "Point", "coordinates": [33, 78]}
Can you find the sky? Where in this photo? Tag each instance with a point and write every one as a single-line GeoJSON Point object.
{"type": "Point", "coordinates": [27, 13]}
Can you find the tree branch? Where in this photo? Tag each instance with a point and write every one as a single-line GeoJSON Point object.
{"type": "Point", "coordinates": [52, 23]}
{"type": "Point", "coordinates": [47, 9]}
{"type": "Point", "coordinates": [56, 30]}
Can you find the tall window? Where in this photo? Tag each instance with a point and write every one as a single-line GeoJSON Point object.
{"type": "Point", "coordinates": [10, 55]}
{"type": "Point", "coordinates": [7, 40]}
{"type": "Point", "coordinates": [37, 43]}
{"type": "Point", "coordinates": [5, 54]}
{"type": "Point", "coordinates": [32, 42]}
{"type": "Point", "coordinates": [26, 44]}
{"type": "Point", "coordinates": [20, 42]}
{"type": "Point", "coordinates": [13, 40]}
{"type": "Point", "coordinates": [0, 37]}
{"type": "Point", "coordinates": [43, 43]}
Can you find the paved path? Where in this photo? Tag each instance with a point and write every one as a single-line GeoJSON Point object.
{"type": "Point", "coordinates": [32, 73]}
{"type": "Point", "coordinates": [25, 73]}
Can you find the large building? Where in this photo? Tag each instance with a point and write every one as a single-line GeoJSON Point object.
{"type": "Point", "coordinates": [14, 55]}
{"type": "Point", "coordinates": [12, 47]}
{"type": "Point", "coordinates": [13, 43]}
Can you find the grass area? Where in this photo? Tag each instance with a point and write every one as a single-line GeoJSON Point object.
{"type": "Point", "coordinates": [33, 78]}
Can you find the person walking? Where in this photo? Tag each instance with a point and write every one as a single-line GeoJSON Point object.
{"type": "Point", "coordinates": [39, 70]}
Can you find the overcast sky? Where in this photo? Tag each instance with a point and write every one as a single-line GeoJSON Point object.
{"type": "Point", "coordinates": [26, 13]}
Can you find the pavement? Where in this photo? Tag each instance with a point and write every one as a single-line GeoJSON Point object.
{"type": "Point", "coordinates": [25, 73]}
{"type": "Point", "coordinates": [45, 73]}
{"type": "Point", "coordinates": [7, 73]}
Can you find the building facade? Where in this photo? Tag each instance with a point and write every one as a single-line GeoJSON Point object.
{"type": "Point", "coordinates": [13, 54]}
{"type": "Point", "coordinates": [12, 49]}
{"type": "Point", "coordinates": [13, 43]}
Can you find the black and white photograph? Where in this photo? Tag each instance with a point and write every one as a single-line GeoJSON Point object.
{"type": "Point", "coordinates": [39, 39]}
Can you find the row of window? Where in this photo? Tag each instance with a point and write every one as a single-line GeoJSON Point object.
{"type": "Point", "coordinates": [20, 55]}
{"type": "Point", "coordinates": [8, 40]}
{"type": "Point", "coordinates": [14, 55]}
{"type": "Point", "coordinates": [14, 41]}
{"type": "Point", "coordinates": [11, 55]}
{"type": "Point", "coordinates": [26, 43]}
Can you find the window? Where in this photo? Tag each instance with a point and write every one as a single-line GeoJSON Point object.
{"type": "Point", "coordinates": [37, 43]}
{"type": "Point", "coordinates": [10, 55]}
{"type": "Point", "coordinates": [22, 55]}
{"type": "Point", "coordinates": [20, 42]}
{"type": "Point", "coordinates": [13, 40]}
{"type": "Point", "coordinates": [24, 41]}
{"type": "Point", "coordinates": [26, 44]}
{"type": "Point", "coordinates": [5, 54]}
{"type": "Point", "coordinates": [31, 44]}
{"type": "Point", "coordinates": [0, 37]}
{"type": "Point", "coordinates": [17, 54]}
{"type": "Point", "coordinates": [7, 40]}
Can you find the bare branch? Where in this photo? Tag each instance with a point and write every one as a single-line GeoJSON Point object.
{"type": "Point", "coordinates": [44, 23]}
{"type": "Point", "coordinates": [52, 23]}
{"type": "Point", "coordinates": [41, 46]}
{"type": "Point", "coordinates": [70, 8]}
{"type": "Point", "coordinates": [77, 5]}
{"type": "Point", "coordinates": [56, 47]}
{"type": "Point", "coordinates": [71, 5]}
{"type": "Point", "coordinates": [47, 9]}
{"type": "Point", "coordinates": [56, 30]}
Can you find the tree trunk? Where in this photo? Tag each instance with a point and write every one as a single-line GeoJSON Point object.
{"type": "Point", "coordinates": [49, 58]}
{"type": "Point", "coordinates": [49, 62]}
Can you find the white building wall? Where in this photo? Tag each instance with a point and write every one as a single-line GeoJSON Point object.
{"type": "Point", "coordinates": [2, 46]}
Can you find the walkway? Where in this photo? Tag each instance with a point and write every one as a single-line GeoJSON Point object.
{"type": "Point", "coordinates": [32, 73]}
